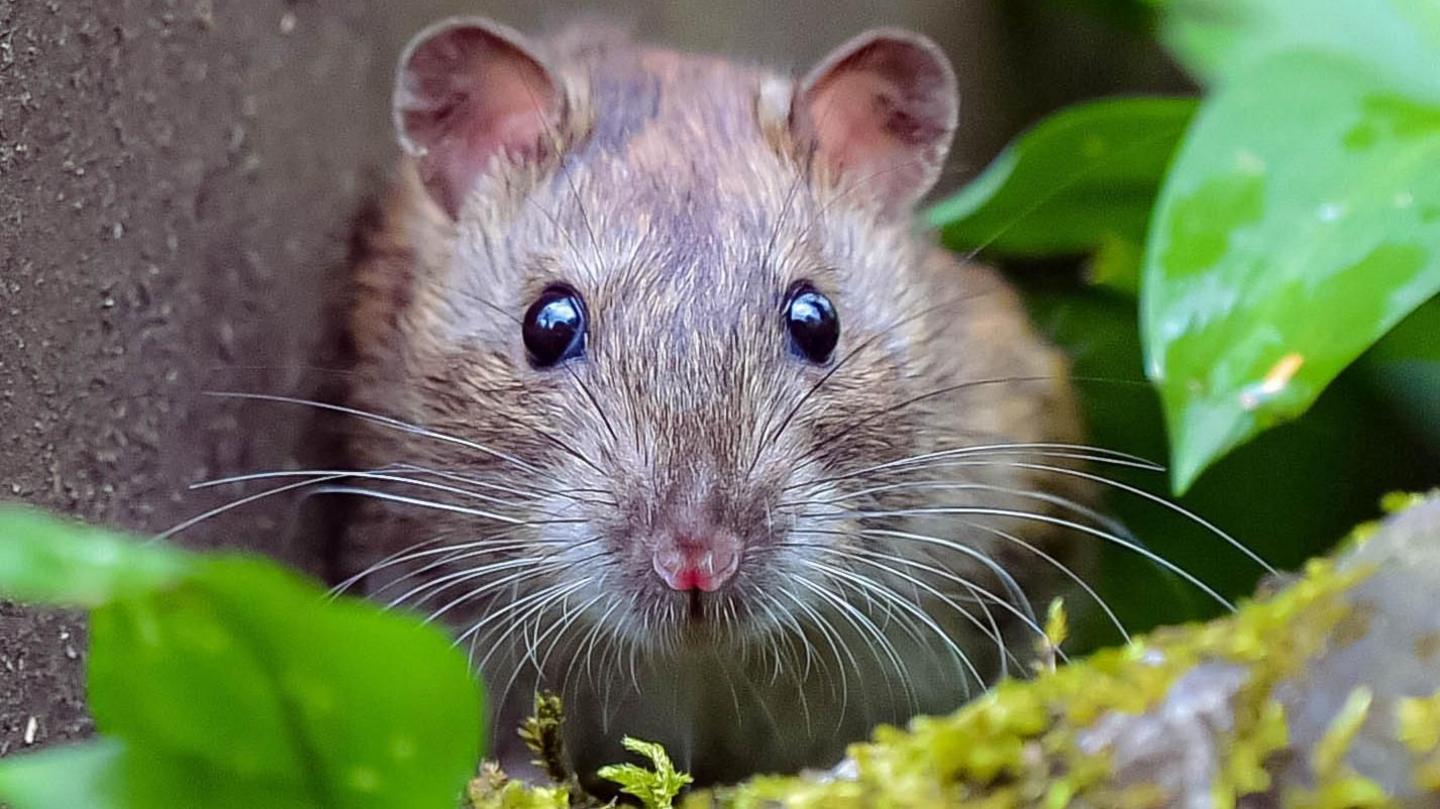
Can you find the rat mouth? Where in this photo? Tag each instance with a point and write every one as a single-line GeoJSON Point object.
{"type": "Point", "coordinates": [701, 620]}
{"type": "Point", "coordinates": [695, 607]}
{"type": "Point", "coordinates": [700, 585]}
{"type": "Point", "coordinates": [694, 612]}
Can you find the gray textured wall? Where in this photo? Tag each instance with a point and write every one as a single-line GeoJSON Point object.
{"type": "Point", "coordinates": [177, 179]}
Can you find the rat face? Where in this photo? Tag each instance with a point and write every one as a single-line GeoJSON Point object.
{"type": "Point", "coordinates": [691, 378]}
{"type": "Point", "coordinates": [658, 337]}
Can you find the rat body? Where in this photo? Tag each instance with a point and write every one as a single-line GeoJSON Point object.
{"type": "Point", "coordinates": [673, 412]}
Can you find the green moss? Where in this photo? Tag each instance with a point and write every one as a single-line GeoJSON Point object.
{"type": "Point", "coordinates": [493, 790]}
{"type": "Point", "coordinates": [1243, 771]}
{"type": "Point", "coordinates": [1392, 503]}
{"type": "Point", "coordinates": [1396, 502]}
{"type": "Point", "coordinates": [1338, 786]}
{"type": "Point", "coordinates": [1328, 757]}
{"type": "Point", "coordinates": [541, 734]}
{"type": "Point", "coordinates": [1057, 631]}
{"type": "Point", "coordinates": [1348, 792]}
{"type": "Point", "coordinates": [657, 786]}
{"type": "Point", "coordinates": [1417, 726]}
{"type": "Point", "coordinates": [1417, 721]}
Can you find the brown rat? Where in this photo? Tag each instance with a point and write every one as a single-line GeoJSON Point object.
{"type": "Point", "coordinates": [673, 411]}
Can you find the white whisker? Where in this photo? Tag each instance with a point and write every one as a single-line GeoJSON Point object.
{"type": "Point", "coordinates": [376, 418]}
{"type": "Point", "coordinates": [234, 504]}
{"type": "Point", "coordinates": [436, 505]}
{"type": "Point", "coordinates": [1175, 507]}
{"type": "Point", "coordinates": [1063, 523]}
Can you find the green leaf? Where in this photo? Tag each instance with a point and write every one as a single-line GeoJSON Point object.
{"type": "Point", "coordinates": [45, 559]}
{"type": "Point", "coordinates": [1300, 222]}
{"type": "Point", "coordinates": [77, 777]}
{"type": "Point", "coordinates": [1404, 368]}
{"type": "Point", "coordinates": [1219, 40]}
{"type": "Point", "coordinates": [109, 774]}
{"type": "Point", "coordinates": [655, 788]}
{"type": "Point", "coordinates": [1129, 15]}
{"type": "Point", "coordinates": [1116, 265]}
{"type": "Point", "coordinates": [1132, 15]}
{"type": "Point", "coordinates": [247, 669]}
{"type": "Point", "coordinates": [231, 682]}
{"type": "Point", "coordinates": [1086, 174]}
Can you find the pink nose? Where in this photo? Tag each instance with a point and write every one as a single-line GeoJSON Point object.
{"type": "Point", "coordinates": [705, 564]}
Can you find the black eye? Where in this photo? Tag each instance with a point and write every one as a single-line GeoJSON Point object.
{"type": "Point", "coordinates": [554, 327]}
{"type": "Point", "coordinates": [811, 321]}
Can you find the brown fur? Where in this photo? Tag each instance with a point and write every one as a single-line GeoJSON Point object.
{"type": "Point", "coordinates": [676, 198]}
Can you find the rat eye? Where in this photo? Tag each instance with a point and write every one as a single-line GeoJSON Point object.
{"type": "Point", "coordinates": [811, 321]}
{"type": "Point", "coordinates": [554, 326]}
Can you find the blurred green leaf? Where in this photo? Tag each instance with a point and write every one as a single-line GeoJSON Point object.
{"type": "Point", "coordinates": [1133, 15]}
{"type": "Point", "coordinates": [109, 774]}
{"type": "Point", "coordinates": [1086, 174]}
{"type": "Point", "coordinates": [1116, 265]}
{"type": "Point", "coordinates": [1298, 224]}
{"type": "Point", "coordinates": [231, 682]}
{"type": "Point", "coordinates": [1222, 39]}
{"type": "Point", "coordinates": [86, 776]}
{"type": "Point", "coordinates": [1404, 368]}
{"type": "Point", "coordinates": [247, 668]}
{"type": "Point", "coordinates": [60, 562]}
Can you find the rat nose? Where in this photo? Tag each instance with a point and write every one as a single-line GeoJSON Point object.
{"type": "Point", "coordinates": [694, 562]}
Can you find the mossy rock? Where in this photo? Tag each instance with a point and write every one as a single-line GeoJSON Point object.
{"type": "Point", "coordinates": [1322, 692]}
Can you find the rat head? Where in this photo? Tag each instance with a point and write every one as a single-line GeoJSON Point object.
{"type": "Point", "coordinates": [662, 322]}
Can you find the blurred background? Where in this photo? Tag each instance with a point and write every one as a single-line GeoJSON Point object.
{"type": "Point", "coordinates": [178, 179]}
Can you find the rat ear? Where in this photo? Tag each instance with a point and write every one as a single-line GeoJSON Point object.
{"type": "Point", "coordinates": [880, 110]}
{"type": "Point", "coordinates": [470, 92]}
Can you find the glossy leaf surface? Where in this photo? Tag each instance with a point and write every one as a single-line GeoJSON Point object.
{"type": "Point", "coordinates": [1086, 174]}
{"type": "Point", "coordinates": [1300, 222]}
{"type": "Point", "coordinates": [1223, 39]}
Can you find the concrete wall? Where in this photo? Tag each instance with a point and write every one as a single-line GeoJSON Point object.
{"type": "Point", "coordinates": [177, 179]}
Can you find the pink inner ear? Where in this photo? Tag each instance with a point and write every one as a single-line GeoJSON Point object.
{"type": "Point", "coordinates": [468, 96]}
{"type": "Point", "coordinates": [853, 114]}
{"type": "Point", "coordinates": [883, 113]}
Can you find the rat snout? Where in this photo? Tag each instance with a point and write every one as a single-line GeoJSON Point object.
{"type": "Point", "coordinates": [696, 561]}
